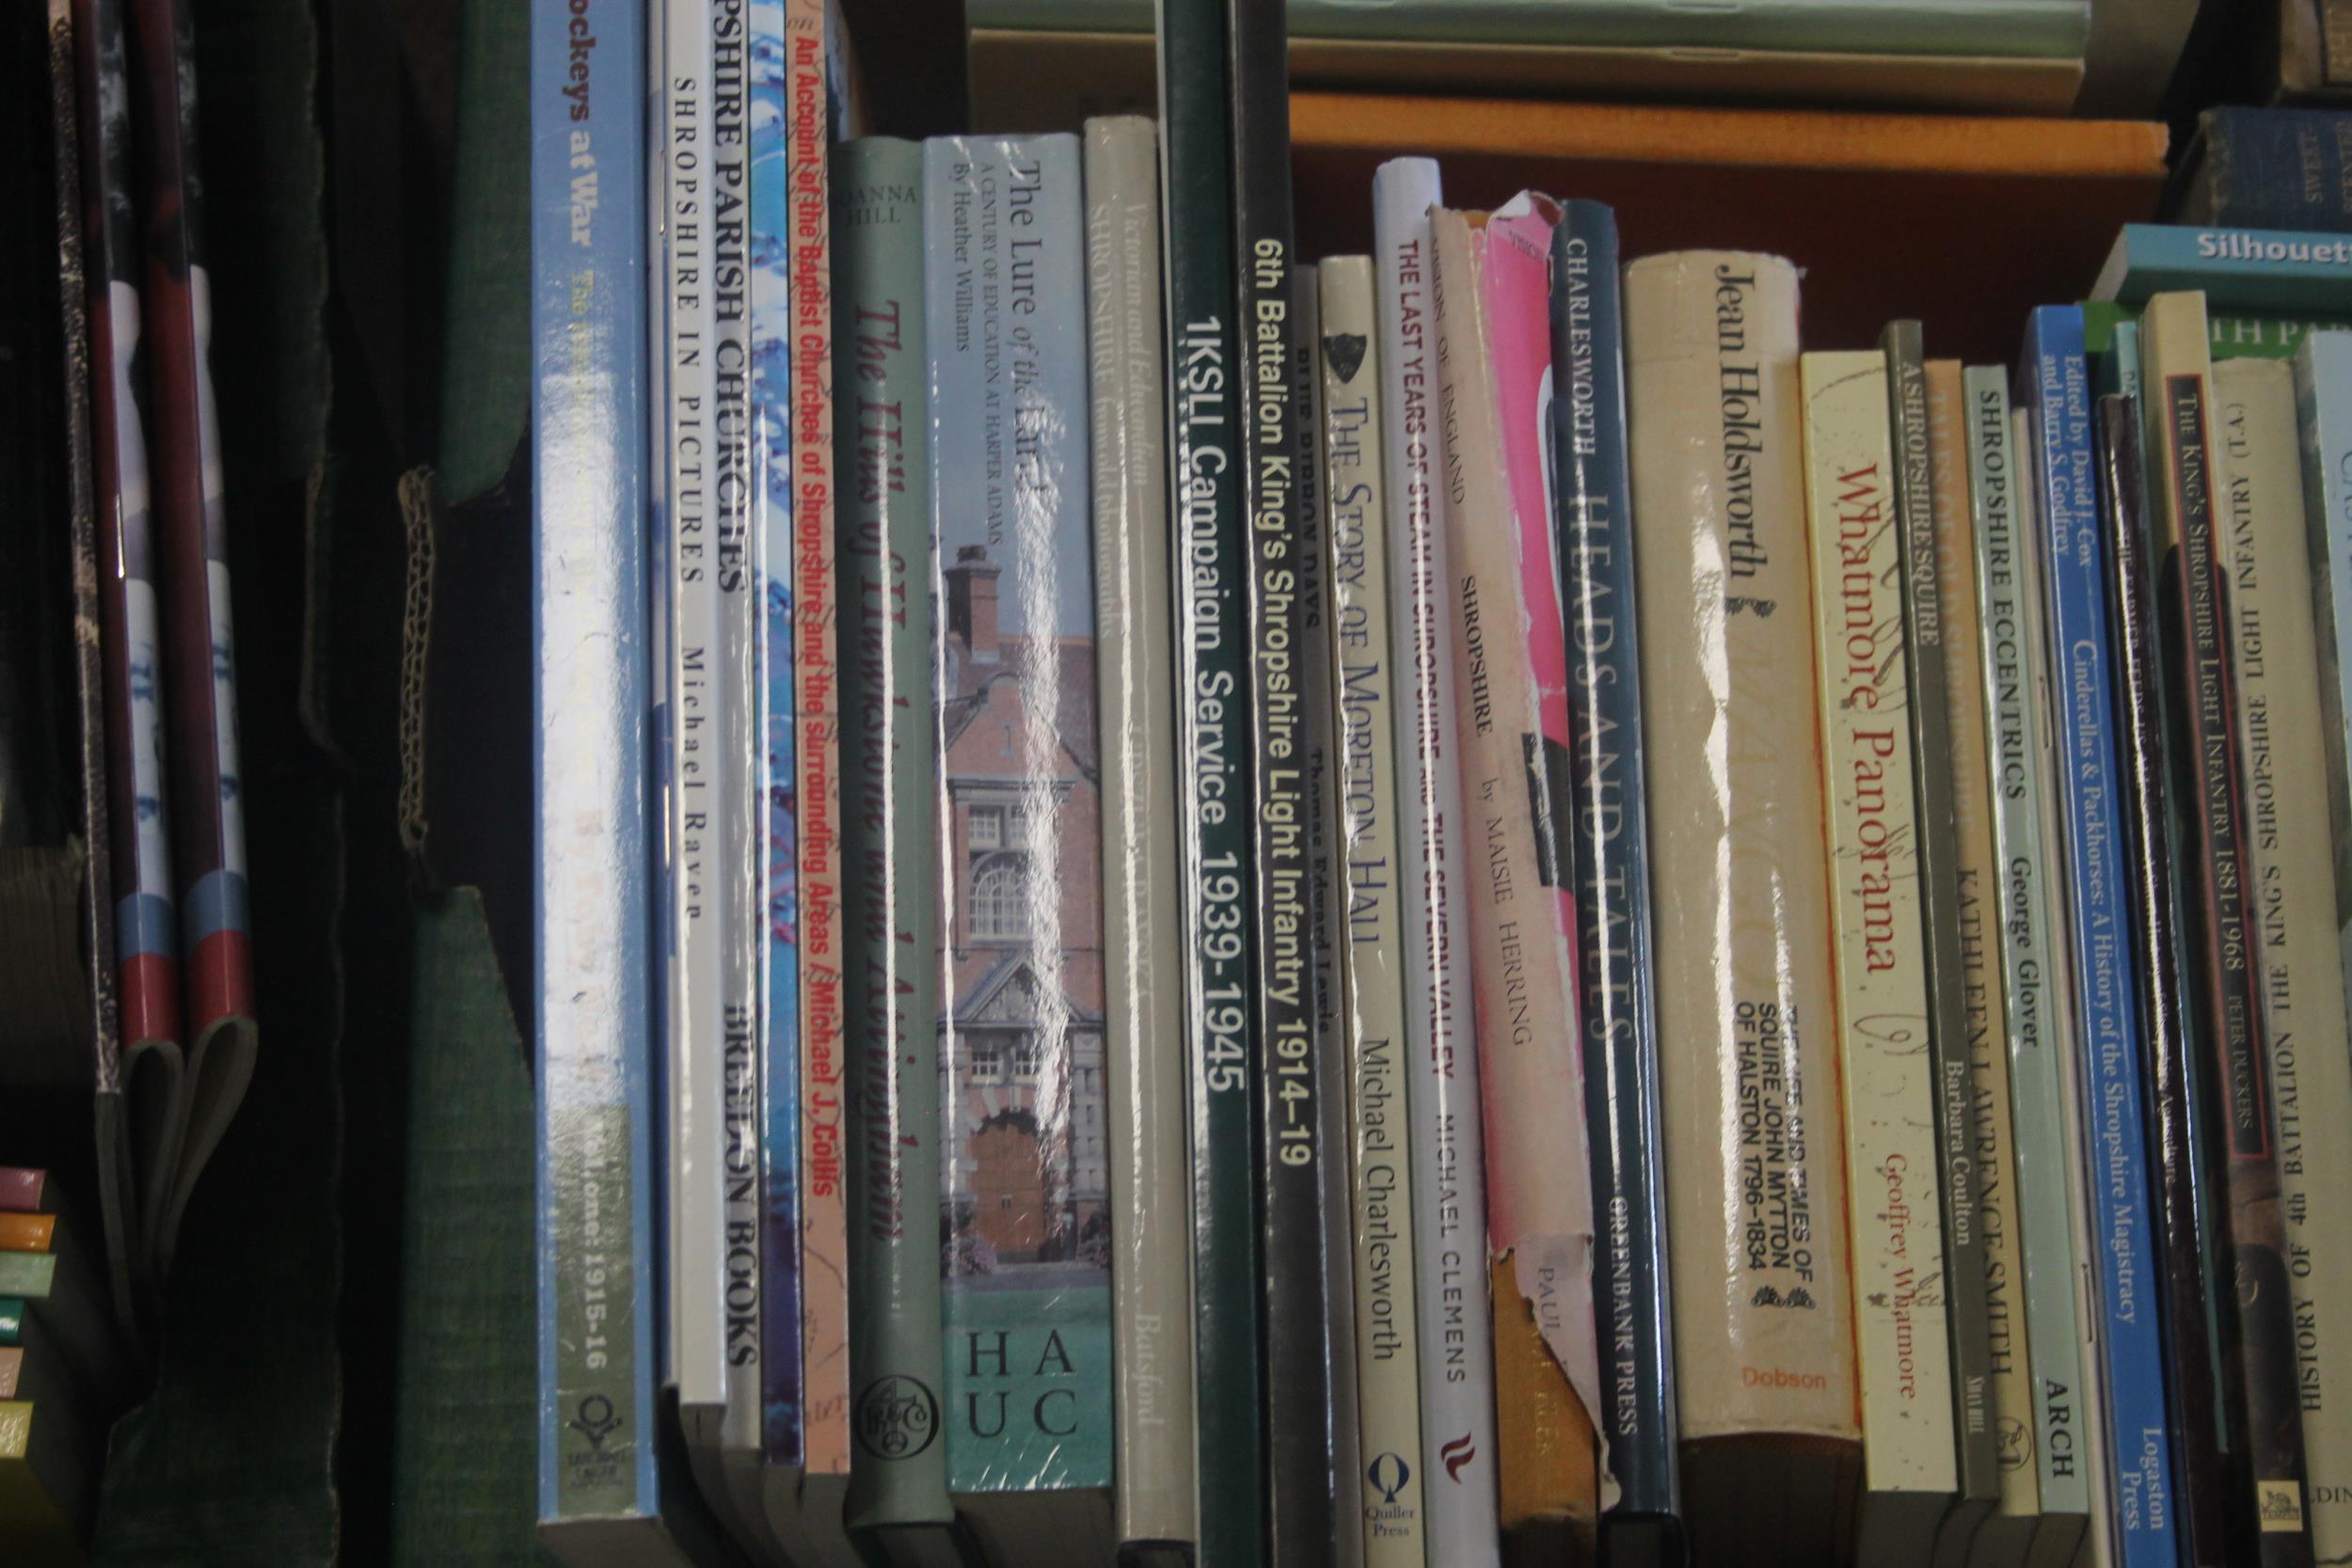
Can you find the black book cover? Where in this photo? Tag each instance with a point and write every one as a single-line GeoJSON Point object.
{"type": "Point", "coordinates": [1302, 1487]}
{"type": "Point", "coordinates": [2259, 1390]}
{"type": "Point", "coordinates": [2148, 810]}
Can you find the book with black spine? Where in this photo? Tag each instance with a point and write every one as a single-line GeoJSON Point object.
{"type": "Point", "coordinates": [1302, 1487]}
{"type": "Point", "coordinates": [1610, 830]}
{"type": "Point", "coordinates": [1939, 903]}
{"type": "Point", "coordinates": [1211, 560]}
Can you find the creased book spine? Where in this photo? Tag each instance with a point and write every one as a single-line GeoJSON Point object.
{"type": "Point", "coordinates": [889, 837]}
{"type": "Point", "coordinates": [1457, 1393]}
{"type": "Point", "coordinates": [1393, 1476]}
{"type": "Point", "coordinates": [2020, 899]}
{"type": "Point", "coordinates": [2054, 389]}
{"type": "Point", "coordinates": [1762, 1328]}
{"type": "Point", "coordinates": [1902, 1359]}
{"type": "Point", "coordinates": [1025, 1201]}
{"type": "Point", "coordinates": [2294, 896]}
{"type": "Point", "coordinates": [1521, 953]}
{"type": "Point", "coordinates": [1977, 873]}
{"type": "Point", "coordinates": [1154, 1437]}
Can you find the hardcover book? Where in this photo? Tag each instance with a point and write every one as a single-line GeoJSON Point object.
{"type": "Point", "coordinates": [2004, 1537]}
{"type": "Point", "coordinates": [2294, 898]}
{"type": "Point", "coordinates": [2252, 269]}
{"type": "Point", "coordinates": [2323, 406]}
{"type": "Point", "coordinates": [1493, 323]}
{"type": "Point", "coordinates": [1608, 856]}
{"type": "Point", "coordinates": [1928, 631]}
{"type": "Point", "coordinates": [2267, 169]}
{"type": "Point", "coordinates": [2052, 389]}
{"type": "Point", "coordinates": [1447, 1138]}
{"type": "Point", "coordinates": [1154, 1465]}
{"type": "Point", "coordinates": [1763, 1335]}
{"type": "Point", "coordinates": [2190, 550]}
{"type": "Point", "coordinates": [1902, 1358]}
{"type": "Point", "coordinates": [1393, 1478]}
{"type": "Point", "coordinates": [889, 838]}
{"type": "Point", "coordinates": [2048, 1272]}
{"type": "Point", "coordinates": [1214, 862]}
{"type": "Point", "coordinates": [1025, 1201]}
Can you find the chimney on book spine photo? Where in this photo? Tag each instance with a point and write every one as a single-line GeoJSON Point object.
{"type": "Point", "coordinates": [971, 603]}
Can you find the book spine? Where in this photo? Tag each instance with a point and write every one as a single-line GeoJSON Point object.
{"type": "Point", "coordinates": [1153, 1462]}
{"type": "Point", "coordinates": [2191, 546]}
{"type": "Point", "coordinates": [1447, 1135]}
{"type": "Point", "coordinates": [889, 832]}
{"type": "Point", "coordinates": [741, 1108]}
{"type": "Point", "coordinates": [1977, 875]}
{"type": "Point", "coordinates": [198, 645]}
{"type": "Point", "coordinates": [2266, 270]}
{"type": "Point", "coordinates": [1744, 1005]}
{"type": "Point", "coordinates": [825, 1412]}
{"type": "Point", "coordinates": [1392, 1482]}
{"type": "Point", "coordinates": [2054, 388]}
{"type": "Point", "coordinates": [692, 764]}
{"type": "Point", "coordinates": [2270, 169]}
{"type": "Point", "coordinates": [1903, 1362]}
{"type": "Point", "coordinates": [770, 285]}
{"type": "Point", "coordinates": [1928, 631]}
{"type": "Point", "coordinates": [2021, 898]}
{"type": "Point", "coordinates": [1213, 665]}
{"type": "Point", "coordinates": [1023, 1189]}
{"type": "Point", "coordinates": [2323, 406]}
{"type": "Point", "coordinates": [1300, 1483]}
{"type": "Point", "coordinates": [2155, 818]}
{"type": "Point", "coordinates": [2294, 894]}
{"type": "Point", "coordinates": [1319, 693]}
{"type": "Point", "coordinates": [591, 696]}
{"type": "Point", "coordinates": [146, 924]}
{"type": "Point", "coordinates": [1511, 690]}
{"type": "Point", "coordinates": [1610, 860]}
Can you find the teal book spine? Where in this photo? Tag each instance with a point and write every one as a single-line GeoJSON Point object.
{"type": "Point", "coordinates": [890, 821]}
{"type": "Point", "coordinates": [2268, 270]}
{"type": "Point", "coordinates": [1025, 1209]}
{"type": "Point", "coordinates": [2019, 29]}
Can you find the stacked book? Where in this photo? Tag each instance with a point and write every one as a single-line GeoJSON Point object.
{"type": "Point", "coordinates": [62, 1374]}
{"type": "Point", "coordinates": [1452, 906]}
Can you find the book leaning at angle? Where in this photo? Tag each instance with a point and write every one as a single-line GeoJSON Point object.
{"type": "Point", "coordinates": [605, 1493]}
{"type": "Point", "coordinates": [2052, 1443]}
{"type": "Point", "coordinates": [1025, 1209]}
{"type": "Point", "coordinates": [1747, 1077]}
{"type": "Point", "coordinates": [1393, 1478]}
{"type": "Point", "coordinates": [882, 431]}
{"type": "Point", "coordinates": [1903, 1362]}
{"type": "Point", "coordinates": [2295, 899]}
{"type": "Point", "coordinates": [1446, 1142]}
{"type": "Point", "coordinates": [1493, 323]}
{"type": "Point", "coordinates": [2005, 1536]}
{"type": "Point", "coordinates": [2322, 398]}
{"type": "Point", "coordinates": [1153, 1467]}
{"type": "Point", "coordinates": [2191, 554]}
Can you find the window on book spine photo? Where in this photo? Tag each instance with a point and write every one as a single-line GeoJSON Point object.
{"type": "Point", "coordinates": [999, 907]}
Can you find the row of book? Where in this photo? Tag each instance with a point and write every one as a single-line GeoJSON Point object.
{"type": "Point", "coordinates": [63, 1375]}
{"type": "Point", "coordinates": [132, 801]}
{"type": "Point", "coordinates": [1411, 910]}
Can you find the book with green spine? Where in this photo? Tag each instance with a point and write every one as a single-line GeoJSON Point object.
{"type": "Point", "coordinates": [1214, 739]}
{"type": "Point", "coordinates": [882, 433]}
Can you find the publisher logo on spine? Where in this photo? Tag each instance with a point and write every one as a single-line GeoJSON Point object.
{"type": "Point", "coordinates": [898, 1418]}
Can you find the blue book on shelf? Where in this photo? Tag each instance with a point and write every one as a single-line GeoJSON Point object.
{"type": "Point", "coordinates": [2267, 169]}
{"type": "Point", "coordinates": [2237, 269]}
{"type": "Point", "coordinates": [2054, 386]}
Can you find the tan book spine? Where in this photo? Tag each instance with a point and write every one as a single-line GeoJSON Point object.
{"type": "Point", "coordinates": [1902, 1356]}
{"type": "Point", "coordinates": [1522, 971]}
{"type": "Point", "coordinates": [1983, 996]}
{"type": "Point", "coordinates": [1756, 1198]}
{"type": "Point", "coordinates": [2295, 901]}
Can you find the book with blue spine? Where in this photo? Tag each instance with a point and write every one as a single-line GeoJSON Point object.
{"type": "Point", "coordinates": [1594, 559]}
{"type": "Point", "coordinates": [779, 1039]}
{"type": "Point", "coordinates": [1024, 1210]}
{"type": "Point", "coordinates": [604, 1487]}
{"type": "Point", "coordinates": [2261, 270]}
{"type": "Point", "coordinates": [2054, 386]}
{"type": "Point", "coordinates": [2279, 168]}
